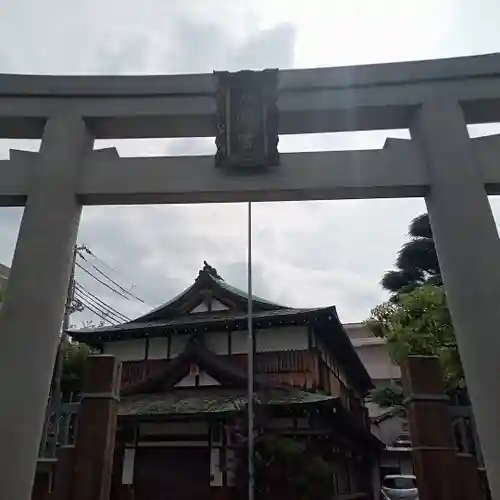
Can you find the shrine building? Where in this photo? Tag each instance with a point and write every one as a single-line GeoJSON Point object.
{"type": "Point", "coordinates": [183, 393]}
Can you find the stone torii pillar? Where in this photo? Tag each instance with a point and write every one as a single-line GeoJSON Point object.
{"type": "Point", "coordinates": [32, 312]}
{"type": "Point", "coordinates": [468, 249]}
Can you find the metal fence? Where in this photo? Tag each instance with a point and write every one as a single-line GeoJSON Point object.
{"type": "Point", "coordinates": [59, 429]}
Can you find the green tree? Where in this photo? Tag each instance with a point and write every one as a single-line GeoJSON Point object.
{"type": "Point", "coordinates": [389, 396]}
{"type": "Point", "coordinates": [417, 263]}
{"type": "Point", "coordinates": [75, 357]}
{"type": "Point", "coordinates": [419, 323]}
{"type": "Point", "coordinates": [286, 468]}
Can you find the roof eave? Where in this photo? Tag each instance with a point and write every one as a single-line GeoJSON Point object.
{"type": "Point", "coordinates": [351, 361]}
{"type": "Point", "coordinates": [194, 325]}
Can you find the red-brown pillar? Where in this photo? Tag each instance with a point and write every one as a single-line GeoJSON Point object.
{"type": "Point", "coordinates": [467, 475]}
{"type": "Point", "coordinates": [119, 491]}
{"type": "Point", "coordinates": [63, 477]}
{"type": "Point", "coordinates": [430, 428]}
{"type": "Point", "coordinates": [95, 439]}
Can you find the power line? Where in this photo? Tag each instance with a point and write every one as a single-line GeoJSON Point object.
{"type": "Point", "coordinates": [96, 310]}
{"type": "Point", "coordinates": [107, 277]}
{"type": "Point", "coordinates": [131, 285]}
{"type": "Point", "coordinates": [86, 249]}
{"type": "Point", "coordinates": [102, 314]}
{"type": "Point", "coordinates": [101, 282]}
{"type": "Point", "coordinates": [111, 280]}
{"type": "Point", "coordinates": [86, 302]}
{"type": "Point", "coordinates": [96, 304]}
{"type": "Point", "coordinates": [94, 297]}
{"type": "Point", "coordinates": [101, 305]}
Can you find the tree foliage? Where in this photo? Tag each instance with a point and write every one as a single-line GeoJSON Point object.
{"type": "Point", "coordinates": [287, 468]}
{"type": "Point", "coordinates": [74, 360]}
{"type": "Point", "coordinates": [417, 263]}
{"type": "Point", "coordinates": [75, 357]}
{"type": "Point", "coordinates": [389, 396]}
{"type": "Point", "coordinates": [419, 323]}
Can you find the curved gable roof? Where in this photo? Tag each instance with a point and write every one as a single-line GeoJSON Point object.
{"type": "Point", "coordinates": [207, 282]}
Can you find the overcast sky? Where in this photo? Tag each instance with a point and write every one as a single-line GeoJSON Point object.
{"type": "Point", "coordinates": [305, 254]}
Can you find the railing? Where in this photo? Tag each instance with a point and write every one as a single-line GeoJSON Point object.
{"type": "Point", "coordinates": [59, 428]}
{"type": "Point", "coordinates": [464, 426]}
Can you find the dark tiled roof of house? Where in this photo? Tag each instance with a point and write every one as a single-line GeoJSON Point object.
{"type": "Point", "coordinates": [190, 402]}
{"type": "Point", "coordinates": [189, 321]}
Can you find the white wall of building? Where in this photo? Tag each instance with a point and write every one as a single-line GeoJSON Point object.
{"type": "Point", "coordinates": [193, 380]}
{"type": "Point", "coordinates": [273, 339]}
{"type": "Point", "coordinates": [178, 344]}
{"type": "Point", "coordinates": [202, 307]}
{"type": "Point", "coordinates": [158, 348]}
{"type": "Point", "coordinates": [126, 350]}
{"type": "Point", "coordinates": [4, 275]}
{"type": "Point", "coordinates": [217, 306]}
{"type": "Point", "coordinates": [217, 342]}
{"type": "Point", "coordinates": [239, 342]}
{"type": "Point", "coordinates": [214, 305]}
{"type": "Point", "coordinates": [378, 363]}
{"type": "Point", "coordinates": [374, 354]}
{"type": "Point", "coordinates": [287, 338]}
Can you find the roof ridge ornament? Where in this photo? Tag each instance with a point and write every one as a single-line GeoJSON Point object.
{"type": "Point", "coordinates": [207, 269]}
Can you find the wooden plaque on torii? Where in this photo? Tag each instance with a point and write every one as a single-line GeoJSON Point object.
{"type": "Point", "coordinates": [247, 119]}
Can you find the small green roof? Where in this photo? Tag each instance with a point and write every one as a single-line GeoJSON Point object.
{"type": "Point", "coordinates": [190, 402]}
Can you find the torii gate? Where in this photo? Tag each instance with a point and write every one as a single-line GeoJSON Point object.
{"type": "Point", "coordinates": [434, 99]}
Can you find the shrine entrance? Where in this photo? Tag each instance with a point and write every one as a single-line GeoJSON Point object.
{"type": "Point", "coordinates": [246, 111]}
{"type": "Point", "coordinates": [188, 474]}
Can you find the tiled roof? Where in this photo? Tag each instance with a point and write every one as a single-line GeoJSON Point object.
{"type": "Point", "coordinates": [219, 317]}
{"type": "Point", "coordinates": [191, 402]}
{"type": "Point", "coordinates": [236, 291]}
{"type": "Point", "coordinates": [208, 278]}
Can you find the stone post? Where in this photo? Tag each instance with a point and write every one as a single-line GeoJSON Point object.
{"type": "Point", "coordinates": [32, 311]}
{"type": "Point", "coordinates": [468, 249]}
{"type": "Point", "coordinates": [95, 439]}
{"type": "Point", "coordinates": [430, 428]}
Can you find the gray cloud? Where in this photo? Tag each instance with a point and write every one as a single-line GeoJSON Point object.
{"type": "Point", "coordinates": [305, 254]}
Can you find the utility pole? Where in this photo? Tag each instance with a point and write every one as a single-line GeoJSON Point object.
{"type": "Point", "coordinates": [55, 393]}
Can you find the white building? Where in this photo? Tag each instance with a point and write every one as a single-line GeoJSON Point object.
{"type": "Point", "coordinates": [4, 275]}
{"type": "Point", "coordinates": [388, 424]}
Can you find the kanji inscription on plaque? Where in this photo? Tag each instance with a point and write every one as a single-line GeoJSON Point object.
{"type": "Point", "coordinates": [247, 119]}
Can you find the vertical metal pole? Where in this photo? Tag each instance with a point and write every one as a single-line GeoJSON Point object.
{"type": "Point", "coordinates": [251, 478]}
